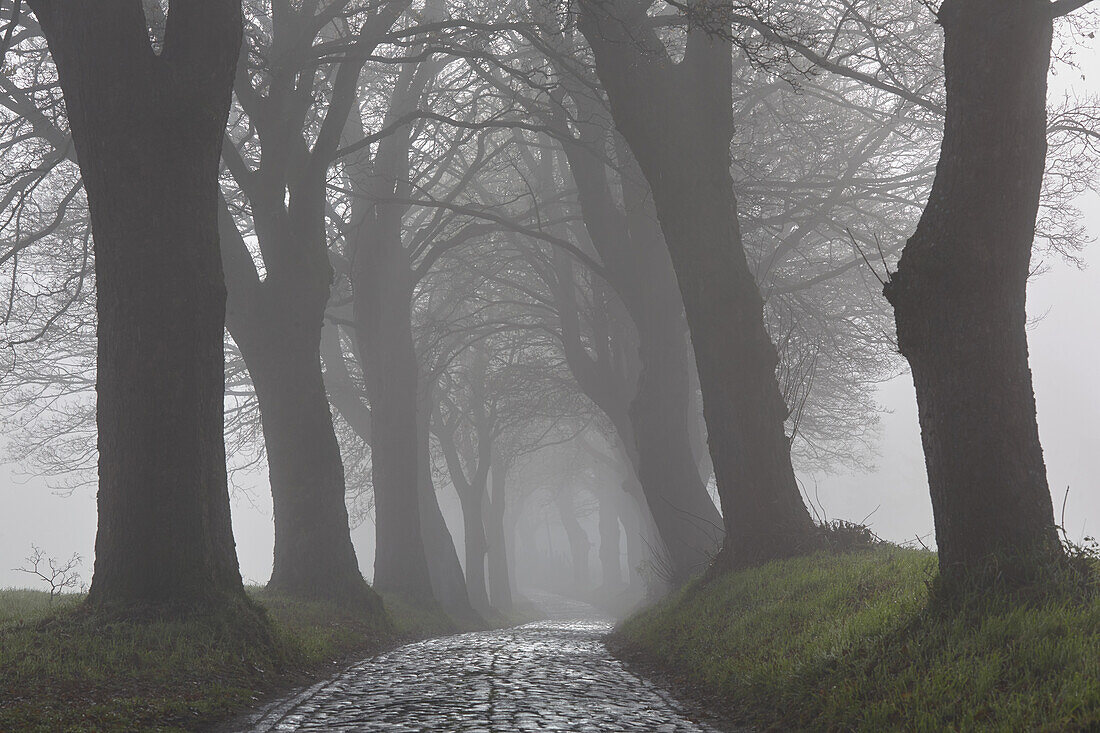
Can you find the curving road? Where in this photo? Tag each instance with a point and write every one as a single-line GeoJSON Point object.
{"type": "Point", "coordinates": [552, 675]}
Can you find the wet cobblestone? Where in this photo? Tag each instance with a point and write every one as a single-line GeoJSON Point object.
{"type": "Point", "coordinates": [552, 675]}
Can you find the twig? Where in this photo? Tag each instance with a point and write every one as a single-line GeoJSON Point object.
{"type": "Point", "coordinates": [869, 266]}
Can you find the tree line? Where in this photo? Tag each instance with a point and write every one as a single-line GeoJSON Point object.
{"type": "Point", "coordinates": [383, 245]}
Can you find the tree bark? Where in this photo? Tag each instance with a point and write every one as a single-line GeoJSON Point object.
{"type": "Point", "coordinates": [383, 322]}
{"type": "Point", "coordinates": [444, 569]}
{"type": "Point", "coordinates": [314, 555]}
{"type": "Point", "coordinates": [677, 120]}
{"type": "Point", "coordinates": [147, 131]}
{"type": "Point", "coordinates": [277, 324]}
{"type": "Point", "coordinates": [382, 289]}
{"type": "Point", "coordinates": [959, 292]}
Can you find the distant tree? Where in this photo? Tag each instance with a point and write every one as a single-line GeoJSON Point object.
{"type": "Point", "coordinates": [147, 129]}
{"type": "Point", "coordinates": [391, 243]}
{"type": "Point", "coordinates": [676, 116]}
{"type": "Point", "coordinates": [504, 397]}
{"type": "Point", "coordinates": [651, 411]}
{"type": "Point", "coordinates": [468, 451]}
{"type": "Point", "coordinates": [382, 277]}
{"type": "Point", "coordinates": [566, 499]}
{"type": "Point", "coordinates": [279, 154]}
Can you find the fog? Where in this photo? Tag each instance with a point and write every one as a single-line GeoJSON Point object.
{"type": "Point", "coordinates": [512, 365]}
{"type": "Point", "coordinates": [893, 498]}
{"type": "Point", "coordinates": [502, 358]}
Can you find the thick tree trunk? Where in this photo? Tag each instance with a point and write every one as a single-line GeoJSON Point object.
{"type": "Point", "coordinates": [391, 371]}
{"type": "Point", "coordinates": [500, 582]}
{"type": "Point", "coordinates": [476, 545]}
{"type": "Point", "coordinates": [278, 320]}
{"type": "Point", "coordinates": [314, 555]}
{"type": "Point", "coordinates": [148, 132]}
{"type": "Point", "coordinates": [677, 120]}
{"type": "Point", "coordinates": [690, 525]}
{"type": "Point", "coordinates": [688, 522]}
{"type": "Point", "coordinates": [959, 292]}
{"type": "Point", "coordinates": [277, 324]}
{"type": "Point", "coordinates": [382, 287]}
{"type": "Point", "coordinates": [763, 510]}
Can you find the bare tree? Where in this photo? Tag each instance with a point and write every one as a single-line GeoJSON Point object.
{"type": "Point", "coordinates": [959, 293]}
{"type": "Point", "coordinates": [164, 531]}
{"type": "Point", "coordinates": [688, 172]}
{"type": "Point", "coordinates": [61, 575]}
{"type": "Point", "coordinates": [279, 155]}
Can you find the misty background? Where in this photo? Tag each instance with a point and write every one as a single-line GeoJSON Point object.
{"type": "Point", "coordinates": [1063, 305]}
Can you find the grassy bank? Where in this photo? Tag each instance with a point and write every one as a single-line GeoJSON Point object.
{"type": "Point", "coordinates": [850, 642]}
{"type": "Point", "coordinates": [61, 670]}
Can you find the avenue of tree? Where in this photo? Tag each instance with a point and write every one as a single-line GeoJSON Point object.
{"type": "Point", "coordinates": [641, 261]}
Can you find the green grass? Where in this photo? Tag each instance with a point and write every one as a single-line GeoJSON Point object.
{"type": "Point", "coordinates": [64, 670]}
{"type": "Point", "coordinates": [411, 621]}
{"type": "Point", "coordinates": [19, 605]}
{"type": "Point", "coordinates": [851, 642]}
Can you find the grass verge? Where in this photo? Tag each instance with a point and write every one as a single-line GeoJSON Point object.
{"type": "Point", "coordinates": [851, 642]}
{"type": "Point", "coordinates": [63, 670]}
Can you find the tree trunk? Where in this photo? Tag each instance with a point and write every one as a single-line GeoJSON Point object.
{"type": "Point", "coordinates": [471, 497]}
{"type": "Point", "coordinates": [677, 120]}
{"type": "Point", "coordinates": [391, 371]}
{"type": "Point", "coordinates": [277, 324]}
{"type": "Point", "coordinates": [512, 545]}
{"type": "Point", "coordinates": [689, 524]}
{"type": "Point", "coordinates": [471, 494]}
{"type": "Point", "coordinates": [661, 410]}
{"type": "Point", "coordinates": [764, 514]}
{"type": "Point", "coordinates": [959, 292]}
{"type": "Point", "coordinates": [382, 283]}
{"type": "Point", "coordinates": [148, 132]}
{"type": "Point", "coordinates": [500, 583]}
{"type": "Point", "coordinates": [630, 243]}
{"type": "Point", "coordinates": [444, 569]}
{"type": "Point", "coordinates": [314, 555]}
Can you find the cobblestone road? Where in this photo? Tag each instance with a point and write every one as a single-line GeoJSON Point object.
{"type": "Point", "coordinates": [552, 675]}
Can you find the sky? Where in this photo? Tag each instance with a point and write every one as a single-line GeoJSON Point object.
{"type": "Point", "coordinates": [892, 498]}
